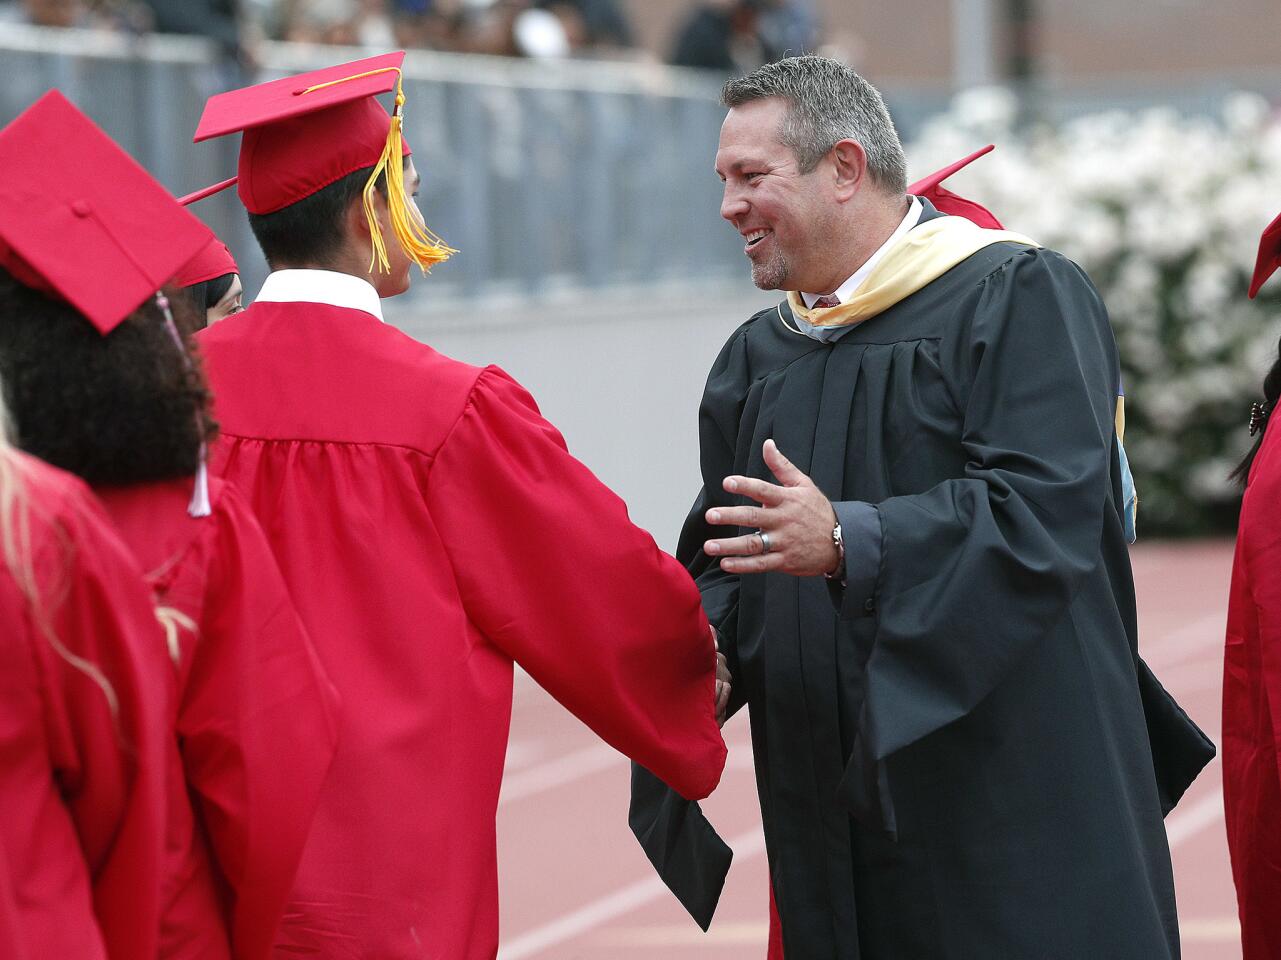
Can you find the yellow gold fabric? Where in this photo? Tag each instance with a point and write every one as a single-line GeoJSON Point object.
{"type": "Point", "coordinates": [925, 253]}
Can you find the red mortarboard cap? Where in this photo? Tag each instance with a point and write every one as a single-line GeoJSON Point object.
{"type": "Point", "coordinates": [950, 203]}
{"type": "Point", "coordinates": [1269, 256]}
{"type": "Point", "coordinates": [214, 260]}
{"type": "Point", "coordinates": [304, 132]}
{"type": "Point", "coordinates": [80, 219]}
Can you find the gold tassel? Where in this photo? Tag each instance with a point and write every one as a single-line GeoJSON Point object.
{"type": "Point", "coordinates": [419, 243]}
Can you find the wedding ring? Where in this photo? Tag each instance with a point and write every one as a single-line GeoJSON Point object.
{"type": "Point", "coordinates": [764, 537]}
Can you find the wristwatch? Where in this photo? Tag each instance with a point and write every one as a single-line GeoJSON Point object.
{"type": "Point", "coordinates": [839, 569]}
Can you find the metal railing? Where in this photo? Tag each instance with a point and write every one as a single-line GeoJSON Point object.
{"type": "Point", "coordinates": [552, 179]}
{"type": "Point", "coordinates": [549, 178]}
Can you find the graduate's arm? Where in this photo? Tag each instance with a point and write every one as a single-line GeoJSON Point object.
{"type": "Point", "coordinates": [109, 689]}
{"type": "Point", "coordinates": [258, 726]}
{"type": "Point", "coordinates": [552, 572]}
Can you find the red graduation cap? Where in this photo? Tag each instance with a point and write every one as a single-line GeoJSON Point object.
{"type": "Point", "coordinates": [214, 260]}
{"type": "Point", "coordinates": [950, 203]}
{"type": "Point", "coordinates": [81, 220]}
{"type": "Point", "coordinates": [1269, 256]}
{"type": "Point", "coordinates": [303, 133]}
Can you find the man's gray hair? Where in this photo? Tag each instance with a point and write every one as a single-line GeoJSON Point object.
{"type": "Point", "coordinates": [827, 102]}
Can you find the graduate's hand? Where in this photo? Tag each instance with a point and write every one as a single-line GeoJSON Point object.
{"type": "Point", "coordinates": [794, 514]}
{"type": "Point", "coordinates": [722, 679]}
{"type": "Point", "coordinates": [722, 688]}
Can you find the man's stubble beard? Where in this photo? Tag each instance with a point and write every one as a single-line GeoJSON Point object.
{"type": "Point", "coordinates": [770, 274]}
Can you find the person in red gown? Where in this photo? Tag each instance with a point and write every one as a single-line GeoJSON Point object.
{"type": "Point", "coordinates": [82, 726]}
{"type": "Point", "coordinates": [433, 530]}
{"type": "Point", "coordinates": [252, 725]}
{"type": "Point", "coordinates": [1252, 670]}
{"type": "Point", "coordinates": [207, 288]}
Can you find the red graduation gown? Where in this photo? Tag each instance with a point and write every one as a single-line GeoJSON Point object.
{"type": "Point", "coordinates": [433, 529]}
{"type": "Point", "coordinates": [1252, 708]}
{"type": "Point", "coordinates": [255, 719]}
{"type": "Point", "coordinates": [81, 785]}
{"type": "Point", "coordinates": [13, 945]}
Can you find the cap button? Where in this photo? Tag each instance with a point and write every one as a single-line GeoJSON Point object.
{"type": "Point", "coordinates": [81, 208]}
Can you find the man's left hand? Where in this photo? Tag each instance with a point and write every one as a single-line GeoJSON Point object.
{"type": "Point", "coordinates": [794, 518]}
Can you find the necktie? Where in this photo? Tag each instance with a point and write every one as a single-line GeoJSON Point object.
{"type": "Point", "coordinates": [825, 302]}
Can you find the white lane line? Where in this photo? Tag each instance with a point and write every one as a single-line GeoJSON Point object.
{"type": "Point", "coordinates": [548, 775]}
{"type": "Point", "coordinates": [1180, 644]}
{"type": "Point", "coordinates": [620, 902]}
{"type": "Point", "coordinates": [1186, 822]}
{"type": "Point", "coordinates": [1183, 825]}
{"type": "Point", "coordinates": [555, 773]}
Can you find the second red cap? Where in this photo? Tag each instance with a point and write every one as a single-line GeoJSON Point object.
{"type": "Point", "coordinates": [946, 201]}
{"type": "Point", "coordinates": [81, 220]}
{"type": "Point", "coordinates": [1269, 257]}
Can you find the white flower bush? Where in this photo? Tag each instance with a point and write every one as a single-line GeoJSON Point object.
{"type": "Point", "coordinates": [1164, 213]}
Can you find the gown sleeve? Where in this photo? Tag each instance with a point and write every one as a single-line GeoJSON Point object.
{"type": "Point", "coordinates": [108, 748]}
{"type": "Point", "coordinates": [258, 727]}
{"type": "Point", "coordinates": [1032, 367]}
{"type": "Point", "coordinates": [553, 573]}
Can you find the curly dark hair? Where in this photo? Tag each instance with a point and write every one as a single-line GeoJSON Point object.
{"type": "Point", "coordinates": [115, 410]}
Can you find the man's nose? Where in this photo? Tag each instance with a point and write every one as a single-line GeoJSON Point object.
{"type": "Point", "coordinates": [733, 205]}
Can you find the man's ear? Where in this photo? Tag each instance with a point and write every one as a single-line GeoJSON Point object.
{"type": "Point", "coordinates": [355, 224]}
{"type": "Point", "coordinates": [849, 165]}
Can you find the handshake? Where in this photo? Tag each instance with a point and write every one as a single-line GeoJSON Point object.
{"type": "Point", "coordinates": [722, 682]}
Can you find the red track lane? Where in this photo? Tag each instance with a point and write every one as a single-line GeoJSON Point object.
{"type": "Point", "coordinates": [575, 885]}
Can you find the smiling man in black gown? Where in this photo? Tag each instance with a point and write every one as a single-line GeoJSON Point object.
{"type": "Point", "coordinates": [910, 540]}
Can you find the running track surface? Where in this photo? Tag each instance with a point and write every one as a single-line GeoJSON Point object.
{"type": "Point", "coordinates": [575, 885]}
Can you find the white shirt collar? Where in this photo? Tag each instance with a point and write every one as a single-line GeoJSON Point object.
{"type": "Point", "coordinates": [321, 286]}
{"type": "Point", "coordinates": [846, 289]}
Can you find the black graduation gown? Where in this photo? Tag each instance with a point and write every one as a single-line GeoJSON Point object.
{"type": "Point", "coordinates": [962, 765]}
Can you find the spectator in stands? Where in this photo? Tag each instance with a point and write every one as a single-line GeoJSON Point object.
{"type": "Point", "coordinates": [352, 23]}
{"type": "Point", "coordinates": [603, 23]}
{"type": "Point", "coordinates": [726, 35]}
{"type": "Point", "coordinates": [105, 15]}
{"type": "Point", "coordinates": [790, 28]}
{"type": "Point", "coordinates": [215, 19]}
